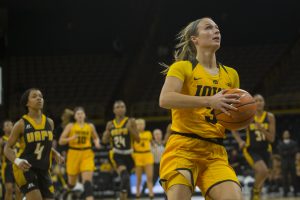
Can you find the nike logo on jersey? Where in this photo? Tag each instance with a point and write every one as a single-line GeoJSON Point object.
{"type": "Point", "coordinates": [195, 78]}
{"type": "Point", "coordinates": [28, 126]}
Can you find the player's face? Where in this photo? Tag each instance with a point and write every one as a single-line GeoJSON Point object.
{"type": "Point", "coordinates": [80, 116]}
{"type": "Point", "coordinates": [157, 134]}
{"type": "Point", "coordinates": [260, 102]}
{"type": "Point", "coordinates": [7, 126]}
{"type": "Point", "coordinates": [208, 35]}
{"type": "Point", "coordinates": [140, 124]}
{"type": "Point", "coordinates": [119, 109]}
{"type": "Point", "coordinates": [35, 100]}
{"type": "Point", "coordinates": [286, 135]}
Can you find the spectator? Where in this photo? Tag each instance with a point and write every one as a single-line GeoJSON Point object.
{"type": "Point", "coordinates": [287, 148]}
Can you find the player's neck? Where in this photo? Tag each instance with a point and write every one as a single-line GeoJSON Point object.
{"type": "Point", "coordinates": [259, 113]}
{"type": "Point", "coordinates": [119, 118]}
{"type": "Point", "coordinates": [35, 114]}
{"type": "Point", "coordinates": [207, 59]}
{"type": "Point", "coordinates": [81, 123]}
{"type": "Point", "coordinates": [7, 134]}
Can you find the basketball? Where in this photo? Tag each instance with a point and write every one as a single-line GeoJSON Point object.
{"type": "Point", "coordinates": [241, 118]}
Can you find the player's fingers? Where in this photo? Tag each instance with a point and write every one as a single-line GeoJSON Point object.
{"type": "Point", "coordinates": [26, 164]}
{"type": "Point", "coordinates": [225, 111]}
{"type": "Point", "coordinates": [229, 107]}
{"type": "Point", "coordinates": [230, 101]}
{"type": "Point", "coordinates": [224, 91]}
{"type": "Point", "coordinates": [232, 96]}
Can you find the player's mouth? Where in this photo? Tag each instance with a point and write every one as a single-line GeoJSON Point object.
{"type": "Point", "coordinates": [217, 38]}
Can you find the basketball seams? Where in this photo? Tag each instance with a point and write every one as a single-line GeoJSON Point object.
{"type": "Point", "coordinates": [252, 102]}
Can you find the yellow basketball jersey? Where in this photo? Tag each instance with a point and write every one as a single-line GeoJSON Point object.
{"type": "Point", "coordinates": [145, 142]}
{"type": "Point", "coordinates": [84, 136]}
{"type": "Point", "coordinates": [198, 82]}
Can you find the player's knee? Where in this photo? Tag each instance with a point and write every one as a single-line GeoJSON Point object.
{"type": "Point", "coordinates": [88, 188]}
{"type": "Point", "coordinates": [124, 180]}
{"type": "Point", "coordinates": [70, 186]}
{"type": "Point", "coordinates": [9, 189]}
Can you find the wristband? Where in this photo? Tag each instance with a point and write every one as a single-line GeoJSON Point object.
{"type": "Point", "coordinates": [17, 161]}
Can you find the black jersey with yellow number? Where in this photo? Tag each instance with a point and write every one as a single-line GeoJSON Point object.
{"type": "Point", "coordinates": [256, 140]}
{"type": "Point", "coordinates": [36, 142]}
{"type": "Point", "coordinates": [120, 136]}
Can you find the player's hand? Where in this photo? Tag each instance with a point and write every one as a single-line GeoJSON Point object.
{"type": "Point", "coordinates": [242, 144]}
{"type": "Point", "coordinates": [73, 137]}
{"type": "Point", "coordinates": [109, 126]}
{"type": "Point", "coordinates": [259, 126]}
{"type": "Point", "coordinates": [59, 158]}
{"type": "Point", "coordinates": [97, 143]}
{"type": "Point", "coordinates": [223, 102]}
{"type": "Point", "coordinates": [22, 164]}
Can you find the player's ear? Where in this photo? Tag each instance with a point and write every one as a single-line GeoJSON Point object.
{"type": "Point", "coordinates": [194, 39]}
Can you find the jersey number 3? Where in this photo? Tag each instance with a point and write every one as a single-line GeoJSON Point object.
{"type": "Point", "coordinates": [38, 151]}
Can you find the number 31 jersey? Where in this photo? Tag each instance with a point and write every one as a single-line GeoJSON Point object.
{"type": "Point", "coordinates": [120, 136]}
{"type": "Point", "coordinates": [36, 142]}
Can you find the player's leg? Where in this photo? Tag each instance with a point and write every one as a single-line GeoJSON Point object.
{"type": "Point", "coordinates": [261, 173]}
{"type": "Point", "coordinates": [179, 192]}
{"type": "Point", "coordinates": [149, 174]}
{"type": "Point", "coordinates": [34, 195]}
{"type": "Point", "coordinates": [18, 192]}
{"type": "Point", "coordinates": [225, 191]}
{"type": "Point", "coordinates": [8, 191]}
{"type": "Point", "coordinates": [138, 173]}
{"type": "Point", "coordinates": [87, 167]}
{"type": "Point", "coordinates": [125, 181]}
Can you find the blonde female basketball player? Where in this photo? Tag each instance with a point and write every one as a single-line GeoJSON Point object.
{"type": "Point", "coordinates": [257, 148]}
{"type": "Point", "coordinates": [143, 157]}
{"type": "Point", "coordinates": [34, 131]}
{"type": "Point", "coordinates": [193, 88]}
{"type": "Point", "coordinates": [80, 156]}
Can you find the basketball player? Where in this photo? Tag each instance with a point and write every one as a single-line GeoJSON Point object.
{"type": "Point", "coordinates": [121, 131]}
{"type": "Point", "coordinates": [193, 89]}
{"type": "Point", "coordinates": [35, 134]}
{"type": "Point", "coordinates": [6, 167]}
{"type": "Point", "coordinates": [143, 157]}
{"type": "Point", "coordinates": [80, 156]}
{"type": "Point", "coordinates": [257, 148]}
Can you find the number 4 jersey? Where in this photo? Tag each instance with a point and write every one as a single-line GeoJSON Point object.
{"type": "Point", "coordinates": [36, 142]}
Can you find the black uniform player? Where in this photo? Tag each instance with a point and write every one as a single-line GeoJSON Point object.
{"type": "Point", "coordinates": [257, 148]}
{"type": "Point", "coordinates": [6, 167]}
{"type": "Point", "coordinates": [119, 132]}
{"type": "Point", "coordinates": [31, 165]}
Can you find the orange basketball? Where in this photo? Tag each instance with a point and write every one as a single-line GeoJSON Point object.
{"type": "Point", "coordinates": [241, 118]}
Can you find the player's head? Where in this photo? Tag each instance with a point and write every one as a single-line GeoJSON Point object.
{"type": "Point", "coordinates": [157, 135]}
{"type": "Point", "coordinates": [7, 126]}
{"type": "Point", "coordinates": [119, 108]}
{"type": "Point", "coordinates": [140, 124]}
{"type": "Point", "coordinates": [260, 102]}
{"type": "Point", "coordinates": [286, 135]}
{"type": "Point", "coordinates": [32, 99]}
{"type": "Point", "coordinates": [67, 115]}
{"type": "Point", "coordinates": [79, 114]}
{"type": "Point", "coordinates": [200, 34]}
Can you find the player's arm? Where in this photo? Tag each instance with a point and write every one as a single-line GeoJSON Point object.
{"type": "Point", "coordinates": [170, 97]}
{"type": "Point", "coordinates": [270, 132]}
{"type": "Point", "coordinates": [9, 151]}
{"type": "Point", "coordinates": [238, 138]}
{"type": "Point", "coordinates": [106, 134]}
{"type": "Point", "coordinates": [57, 156]}
{"type": "Point", "coordinates": [95, 136]}
{"type": "Point", "coordinates": [1, 146]}
{"type": "Point", "coordinates": [168, 133]}
{"type": "Point", "coordinates": [133, 129]}
{"type": "Point", "coordinates": [64, 139]}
